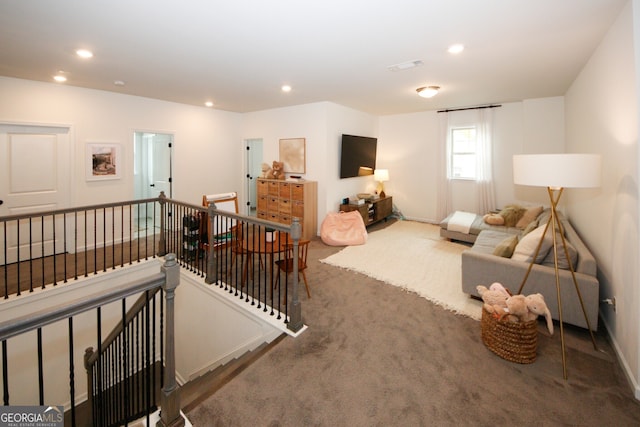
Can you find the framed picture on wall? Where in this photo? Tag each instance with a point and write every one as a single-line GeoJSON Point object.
{"type": "Point", "coordinates": [104, 161]}
{"type": "Point", "coordinates": [292, 153]}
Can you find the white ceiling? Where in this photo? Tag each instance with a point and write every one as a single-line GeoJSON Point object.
{"type": "Point", "coordinates": [238, 53]}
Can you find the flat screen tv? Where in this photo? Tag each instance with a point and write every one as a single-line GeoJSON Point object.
{"type": "Point", "coordinates": [357, 156]}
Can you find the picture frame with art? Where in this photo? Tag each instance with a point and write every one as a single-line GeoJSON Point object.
{"type": "Point", "coordinates": [104, 161]}
{"type": "Point", "coordinates": [293, 155]}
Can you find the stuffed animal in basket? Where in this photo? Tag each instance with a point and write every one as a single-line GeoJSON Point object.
{"type": "Point", "coordinates": [494, 298]}
{"type": "Point", "coordinates": [528, 308]}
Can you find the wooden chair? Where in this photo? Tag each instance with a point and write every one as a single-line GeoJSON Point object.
{"type": "Point", "coordinates": [227, 202]}
{"type": "Point", "coordinates": [286, 265]}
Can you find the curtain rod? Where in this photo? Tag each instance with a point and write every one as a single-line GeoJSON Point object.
{"type": "Point", "coordinates": [470, 108]}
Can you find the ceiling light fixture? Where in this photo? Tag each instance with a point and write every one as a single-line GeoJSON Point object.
{"type": "Point", "coordinates": [59, 78]}
{"type": "Point", "coordinates": [118, 82]}
{"type": "Point", "coordinates": [455, 48]}
{"type": "Point", "coordinates": [286, 88]}
{"type": "Point", "coordinates": [84, 53]}
{"type": "Point", "coordinates": [208, 104]}
{"type": "Point", "coordinates": [428, 91]}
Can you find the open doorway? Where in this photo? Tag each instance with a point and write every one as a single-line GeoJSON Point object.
{"type": "Point", "coordinates": [152, 173]}
{"type": "Point", "coordinates": [254, 170]}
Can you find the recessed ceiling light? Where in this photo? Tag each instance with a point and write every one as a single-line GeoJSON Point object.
{"type": "Point", "coordinates": [455, 48]}
{"type": "Point", "coordinates": [59, 78]}
{"type": "Point", "coordinates": [286, 88]}
{"type": "Point", "coordinates": [405, 65]}
{"type": "Point", "coordinates": [118, 82]}
{"type": "Point", "coordinates": [208, 104]}
{"type": "Point", "coordinates": [84, 53]}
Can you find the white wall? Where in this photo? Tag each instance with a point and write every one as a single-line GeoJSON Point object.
{"type": "Point", "coordinates": [408, 146]}
{"type": "Point", "coordinates": [602, 117]}
{"type": "Point", "coordinates": [207, 145]}
{"type": "Point", "coordinates": [322, 125]}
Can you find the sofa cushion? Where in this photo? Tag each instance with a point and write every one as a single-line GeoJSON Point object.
{"type": "Point", "coordinates": [526, 247]}
{"type": "Point", "coordinates": [506, 247]}
{"type": "Point", "coordinates": [562, 258]}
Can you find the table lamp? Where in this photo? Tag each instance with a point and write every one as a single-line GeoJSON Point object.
{"type": "Point", "coordinates": [381, 175]}
{"type": "Point", "coordinates": [557, 172]}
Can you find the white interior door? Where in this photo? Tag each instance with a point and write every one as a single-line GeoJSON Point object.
{"type": "Point", "coordinates": [34, 166]}
{"type": "Point", "coordinates": [254, 169]}
{"type": "Point", "coordinates": [152, 172]}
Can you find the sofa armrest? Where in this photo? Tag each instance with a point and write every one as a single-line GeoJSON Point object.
{"type": "Point", "coordinates": [483, 269]}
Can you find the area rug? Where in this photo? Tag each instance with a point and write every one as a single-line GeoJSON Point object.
{"type": "Point", "coordinates": [411, 255]}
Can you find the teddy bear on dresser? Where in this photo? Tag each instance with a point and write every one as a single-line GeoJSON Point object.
{"type": "Point", "coordinates": [275, 171]}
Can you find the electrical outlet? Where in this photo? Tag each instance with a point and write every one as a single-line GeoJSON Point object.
{"type": "Point", "coordinates": [611, 301]}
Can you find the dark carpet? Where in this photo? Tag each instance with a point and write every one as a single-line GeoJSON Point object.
{"type": "Point", "coordinates": [374, 355]}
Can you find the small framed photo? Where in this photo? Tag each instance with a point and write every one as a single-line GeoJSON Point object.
{"type": "Point", "coordinates": [292, 154]}
{"type": "Point", "coordinates": [104, 161]}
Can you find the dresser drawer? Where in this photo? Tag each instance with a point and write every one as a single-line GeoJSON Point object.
{"type": "Point", "coordinates": [273, 204]}
{"type": "Point", "coordinates": [297, 192]}
{"type": "Point", "coordinates": [263, 203]}
{"type": "Point", "coordinates": [274, 188]}
{"type": "Point", "coordinates": [285, 206]}
{"type": "Point", "coordinates": [284, 191]}
{"type": "Point", "coordinates": [263, 187]}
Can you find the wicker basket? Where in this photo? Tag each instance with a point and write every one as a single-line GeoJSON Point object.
{"type": "Point", "coordinates": [515, 342]}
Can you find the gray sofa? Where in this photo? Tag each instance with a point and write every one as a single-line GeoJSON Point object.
{"type": "Point", "coordinates": [481, 267]}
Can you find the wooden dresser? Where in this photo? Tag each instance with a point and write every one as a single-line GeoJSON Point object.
{"type": "Point", "coordinates": [280, 201]}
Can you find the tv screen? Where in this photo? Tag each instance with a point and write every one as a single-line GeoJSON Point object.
{"type": "Point", "coordinates": [357, 156]}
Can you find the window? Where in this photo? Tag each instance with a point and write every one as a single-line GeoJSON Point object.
{"type": "Point", "coordinates": [462, 161]}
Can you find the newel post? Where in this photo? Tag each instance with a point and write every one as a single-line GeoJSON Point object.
{"type": "Point", "coordinates": [170, 397]}
{"type": "Point", "coordinates": [295, 313]}
{"type": "Point", "coordinates": [162, 245]}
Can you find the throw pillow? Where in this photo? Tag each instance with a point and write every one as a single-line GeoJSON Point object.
{"type": "Point", "coordinates": [512, 215]}
{"type": "Point", "coordinates": [529, 228]}
{"type": "Point", "coordinates": [529, 215]}
{"type": "Point", "coordinates": [562, 258]}
{"type": "Point", "coordinates": [494, 219]}
{"type": "Point", "coordinates": [506, 247]}
{"type": "Point", "coordinates": [526, 247]}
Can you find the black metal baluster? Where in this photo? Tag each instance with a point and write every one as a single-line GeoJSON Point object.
{"type": "Point", "coordinates": [64, 239]}
{"type": "Point", "coordinates": [86, 252]}
{"type": "Point", "coordinates": [55, 260]}
{"type": "Point", "coordinates": [153, 236]}
{"type": "Point", "coordinates": [104, 237]}
{"type": "Point", "coordinates": [72, 386]}
{"type": "Point", "coordinates": [5, 374]}
{"type": "Point", "coordinates": [30, 256]}
{"type": "Point", "coordinates": [125, 360]}
{"type": "Point", "coordinates": [147, 356]}
{"type": "Point", "coordinates": [122, 237]}
{"type": "Point", "coordinates": [95, 241]}
{"type": "Point", "coordinates": [40, 368]}
{"type": "Point", "coordinates": [138, 233]}
{"type": "Point", "coordinates": [6, 269]}
{"type": "Point", "coordinates": [130, 234]}
{"type": "Point", "coordinates": [113, 237]}
{"type": "Point", "coordinates": [161, 337]}
{"type": "Point", "coordinates": [42, 247]}
{"type": "Point", "coordinates": [18, 253]}
{"type": "Point", "coordinates": [98, 368]}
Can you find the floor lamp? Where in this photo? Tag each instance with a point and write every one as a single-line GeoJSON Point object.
{"type": "Point", "coordinates": [557, 172]}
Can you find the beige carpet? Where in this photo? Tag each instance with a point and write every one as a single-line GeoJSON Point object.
{"type": "Point", "coordinates": [412, 256]}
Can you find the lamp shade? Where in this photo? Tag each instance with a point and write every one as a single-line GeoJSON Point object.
{"type": "Point", "coordinates": [381, 175]}
{"type": "Point", "coordinates": [557, 170]}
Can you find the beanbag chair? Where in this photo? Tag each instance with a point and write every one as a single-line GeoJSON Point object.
{"type": "Point", "coordinates": [343, 229]}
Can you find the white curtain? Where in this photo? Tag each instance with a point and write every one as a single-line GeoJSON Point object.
{"type": "Point", "coordinates": [444, 202]}
{"type": "Point", "coordinates": [482, 119]}
{"type": "Point", "coordinates": [485, 199]}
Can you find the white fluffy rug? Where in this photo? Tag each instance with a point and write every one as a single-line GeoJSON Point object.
{"type": "Point", "coordinates": [412, 256]}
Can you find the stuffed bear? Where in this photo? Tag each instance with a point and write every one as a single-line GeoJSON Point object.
{"type": "Point", "coordinates": [278, 170]}
{"type": "Point", "coordinates": [267, 172]}
{"type": "Point", "coordinates": [494, 298]}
